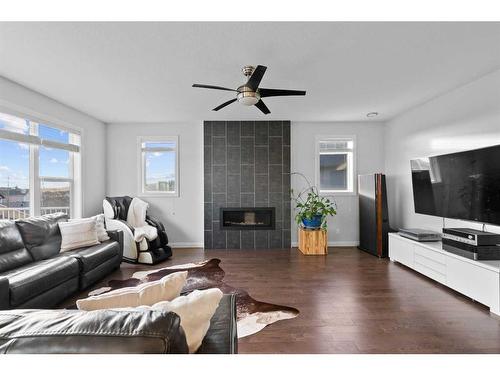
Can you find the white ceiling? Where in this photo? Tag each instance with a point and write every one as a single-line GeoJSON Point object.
{"type": "Point", "coordinates": [143, 72]}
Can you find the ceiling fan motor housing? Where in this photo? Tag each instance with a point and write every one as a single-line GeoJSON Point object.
{"type": "Point", "coordinates": [247, 96]}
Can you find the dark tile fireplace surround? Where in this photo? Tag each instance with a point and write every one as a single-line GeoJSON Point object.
{"type": "Point", "coordinates": [247, 184]}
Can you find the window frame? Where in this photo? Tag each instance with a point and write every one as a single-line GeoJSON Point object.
{"type": "Point", "coordinates": [141, 178]}
{"type": "Point", "coordinates": [351, 167]}
{"type": "Point", "coordinates": [76, 134]}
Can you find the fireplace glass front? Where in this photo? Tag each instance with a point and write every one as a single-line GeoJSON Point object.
{"type": "Point", "coordinates": [247, 218]}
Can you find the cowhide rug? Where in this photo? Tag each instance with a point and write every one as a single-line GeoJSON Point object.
{"type": "Point", "coordinates": [252, 315]}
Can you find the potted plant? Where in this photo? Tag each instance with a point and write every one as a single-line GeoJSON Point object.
{"type": "Point", "coordinates": [312, 209]}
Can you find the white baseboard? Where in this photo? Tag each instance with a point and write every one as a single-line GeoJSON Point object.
{"type": "Point", "coordinates": [335, 243]}
{"type": "Point", "coordinates": [180, 245]}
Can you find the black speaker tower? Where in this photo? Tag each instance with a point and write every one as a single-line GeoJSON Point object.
{"type": "Point", "coordinates": [373, 214]}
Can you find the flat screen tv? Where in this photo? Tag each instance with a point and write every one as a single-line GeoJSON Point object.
{"type": "Point", "coordinates": [463, 185]}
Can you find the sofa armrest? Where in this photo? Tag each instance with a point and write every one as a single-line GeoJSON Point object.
{"type": "Point", "coordinates": [4, 293]}
{"type": "Point", "coordinates": [117, 235]}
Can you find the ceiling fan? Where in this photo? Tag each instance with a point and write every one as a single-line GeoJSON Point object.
{"type": "Point", "coordinates": [250, 93]}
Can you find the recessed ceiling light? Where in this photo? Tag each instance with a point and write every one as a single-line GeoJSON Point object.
{"type": "Point", "coordinates": [372, 114]}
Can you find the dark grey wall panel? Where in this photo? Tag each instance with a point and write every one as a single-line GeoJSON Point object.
{"type": "Point", "coordinates": [219, 151]}
{"type": "Point", "coordinates": [233, 133]}
{"type": "Point", "coordinates": [218, 128]}
{"type": "Point", "coordinates": [247, 164]}
{"type": "Point", "coordinates": [247, 128]}
{"type": "Point", "coordinates": [261, 133]}
{"type": "Point", "coordinates": [247, 150]}
{"type": "Point", "coordinates": [248, 239]}
{"type": "Point", "coordinates": [247, 178]}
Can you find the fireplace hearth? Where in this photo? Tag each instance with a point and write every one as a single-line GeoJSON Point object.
{"type": "Point", "coordinates": [247, 218]}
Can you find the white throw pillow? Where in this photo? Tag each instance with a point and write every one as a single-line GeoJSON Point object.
{"type": "Point", "coordinates": [76, 234]}
{"type": "Point", "coordinates": [165, 289]}
{"type": "Point", "coordinates": [195, 310]}
{"type": "Point", "coordinates": [102, 235]}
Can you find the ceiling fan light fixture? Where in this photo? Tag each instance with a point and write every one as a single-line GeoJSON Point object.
{"type": "Point", "coordinates": [248, 98]}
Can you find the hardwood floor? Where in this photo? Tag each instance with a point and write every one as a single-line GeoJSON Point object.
{"type": "Point", "coordinates": [349, 302]}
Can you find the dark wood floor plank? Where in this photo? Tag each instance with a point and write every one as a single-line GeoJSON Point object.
{"type": "Point", "coordinates": [349, 302]}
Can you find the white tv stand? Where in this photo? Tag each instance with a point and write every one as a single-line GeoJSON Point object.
{"type": "Point", "coordinates": [479, 280]}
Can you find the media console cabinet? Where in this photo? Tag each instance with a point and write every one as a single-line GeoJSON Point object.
{"type": "Point", "coordinates": [479, 280]}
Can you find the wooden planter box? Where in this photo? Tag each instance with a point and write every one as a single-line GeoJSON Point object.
{"type": "Point", "coordinates": [313, 241]}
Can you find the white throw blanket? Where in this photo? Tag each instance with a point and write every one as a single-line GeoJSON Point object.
{"type": "Point", "coordinates": [136, 217]}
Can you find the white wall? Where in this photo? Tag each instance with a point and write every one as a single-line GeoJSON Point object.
{"type": "Point", "coordinates": [21, 100]}
{"type": "Point", "coordinates": [183, 215]}
{"type": "Point", "coordinates": [343, 229]}
{"type": "Point", "coordinates": [465, 118]}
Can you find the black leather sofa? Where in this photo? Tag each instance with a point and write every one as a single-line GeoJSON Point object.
{"type": "Point", "coordinates": [33, 272]}
{"type": "Point", "coordinates": [112, 331]}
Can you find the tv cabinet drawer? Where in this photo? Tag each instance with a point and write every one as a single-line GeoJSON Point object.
{"type": "Point", "coordinates": [430, 269]}
{"type": "Point", "coordinates": [433, 257]}
{"type": "Point", "coordinates": [430, 263]}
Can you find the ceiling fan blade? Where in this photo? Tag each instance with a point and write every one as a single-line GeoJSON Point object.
{"type": "Point", "coordinates": [278, 92]}
{"type": "Point", "coordinates": [256, 77]}
{"type": "Point", "coordinates": [260, 104]}
{"type": "Point", "coordinates": [212, 87]}
{"type": "Point", "coordinates": [224, 104]}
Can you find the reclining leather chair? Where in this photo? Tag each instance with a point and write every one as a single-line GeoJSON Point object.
{"type": "Point", "coordinates": [116, 210]}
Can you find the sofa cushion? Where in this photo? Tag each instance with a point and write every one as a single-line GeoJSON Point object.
{"type": "Point", "coordinates": [13, 254]}
{"type": "Point", "coordinates": [35, 278]}
{"type": "Point", "coordinates": [94, 256]}
{"type": "Point", "coordinates": [101, 271]}
{"type": "Point", "coordinates": [41, 235]}
{"type": "Point", "coordinates": [51, 298]}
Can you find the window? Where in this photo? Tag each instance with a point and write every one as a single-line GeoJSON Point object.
{"type": "Point", "coordinates": [158, 166]}
{"type": "Point", "coordinates": [14, 180]}
{"type": "Point", "coordinates": [335, 165]}
{"type": "Point", "coordinates": [39, 169]}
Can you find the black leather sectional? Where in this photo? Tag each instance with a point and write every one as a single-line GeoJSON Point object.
{"type": "Point", "coordinates": [33, 272]}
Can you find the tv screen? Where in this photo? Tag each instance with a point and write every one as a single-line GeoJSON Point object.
{"type": "Point", "coordinates": [463, 185]}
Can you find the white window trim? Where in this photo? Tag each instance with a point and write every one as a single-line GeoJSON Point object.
{"type": "Point", "coordinates": [76, 171]}
{"type": "Point", "coordinates": [352, 180]}
{"type": "Point", "coordinates": [141, 176]}
{"type": "Point", "coordinates": [28, 114]}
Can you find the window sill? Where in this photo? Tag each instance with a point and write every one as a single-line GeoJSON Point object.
{"type": "Point", "coordinates": [338, 193]}
{"type": "Point", "coordinates": [158, 195]}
